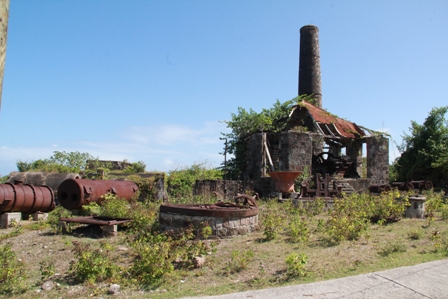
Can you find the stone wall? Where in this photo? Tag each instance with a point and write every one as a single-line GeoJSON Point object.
{"type": "Point", "coordinates": [378, 159]}
{"type": "Point", "coordinates": [295, 151]}
{"type": "Point", "coordinates": [221, 226]}
{"type": "Point", "coordinates": [226, 189]}
{"type": "Point", "coordinates": [255, 156]}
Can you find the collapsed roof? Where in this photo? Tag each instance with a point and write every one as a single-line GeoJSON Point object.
{"type": "Point", "coordinates": [320, 121]}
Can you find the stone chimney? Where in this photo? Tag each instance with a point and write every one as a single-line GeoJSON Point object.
{"type": "Point", "coordinates": [309, 64]}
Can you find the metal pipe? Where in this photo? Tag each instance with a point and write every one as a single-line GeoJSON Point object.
{"type": "Point", "coordinates": [25, 198]}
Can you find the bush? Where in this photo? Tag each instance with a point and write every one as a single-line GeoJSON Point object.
{"type": "Point", "coordinates": [91, 265]}
{"type": "Point", "coordinates": [114, 207]}
{"type": "Point", "coordinates": [55, 215]}
{"type": "Point", "coordinates": [348, 220]}
{"type": "Point", "coordinates": [273, 224]}
{"type": "Point", "coordinates": [151, 263]}
{"type": "Point", "coordinates": [12, 272]}
{"type": "Point", "coordinates": [298, 230]}
{"type": "Point", "coordinates": [296, 265]}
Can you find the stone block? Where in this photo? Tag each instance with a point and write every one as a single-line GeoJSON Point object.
{"type": "Point", "coordinates": [8, 218]}
{"type": "Point", "coordinates": [39, 216]}
{"type": "Point", "coordinates": [109, 230]}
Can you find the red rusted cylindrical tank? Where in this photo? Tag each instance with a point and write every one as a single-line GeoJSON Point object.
{"type": "Point", "coordinates": [75, 193]}
{"type": "Point", "coordinates": [25, 198]}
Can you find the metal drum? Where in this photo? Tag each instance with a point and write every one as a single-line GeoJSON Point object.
{"type": "Point", "coordinates": [75, 193]}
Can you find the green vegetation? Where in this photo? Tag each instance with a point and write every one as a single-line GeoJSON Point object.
{"type": "Point", "coordinates": [303, 243]}
{"type": "Point", "coordinates": [62, 162]}
{"type": "Point", "coordinates": [424, 152]}
{"type": "Point", "coordinates": [12, 272]}
{"type": "Point", "coordinates": [181, 181]}
{"type": "Point", "coordinates": [245, 123]}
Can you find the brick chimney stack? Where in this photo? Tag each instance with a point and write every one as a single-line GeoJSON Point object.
{"type": "Point", "coordinates": [309, 64]}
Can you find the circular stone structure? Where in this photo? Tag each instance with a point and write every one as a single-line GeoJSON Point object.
{"type": "Point", "coordinates": [224, 219]}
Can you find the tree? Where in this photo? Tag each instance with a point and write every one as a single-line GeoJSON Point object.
{"type": "Point", "coordinates": [59, 162]}
{"type": "Point", "coordinates": [245, 123]}
{"type": "Point", "coordinates": [425, 151]}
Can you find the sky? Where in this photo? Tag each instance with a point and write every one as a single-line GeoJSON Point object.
{"type": "Point", "coordinates": [152, 81]}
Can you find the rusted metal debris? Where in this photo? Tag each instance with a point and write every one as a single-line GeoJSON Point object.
{"type": "Point", "coordinates": [339, 166]}
{"type": "Point", "coordinates": [96, 220]}
{"type": "Point", "coordinates": [322, 188]}
{"type": "Point", "coordinates": [74, 193]}
{"type": "Point", "coordinates": [221, 209]}
{"type": "Point", "coordinates": [402, 186]}
{"type": "Point", "coordinates": [246, 200]}
{"type": "Point", "coordinates": [25, 198]}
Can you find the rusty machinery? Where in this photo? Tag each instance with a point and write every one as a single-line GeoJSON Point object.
{"type": "Point", "coordinates": [326, 162]}
{"type": "Point", "coordinates": [402, 186]}
{"type": "Point", "coordinates": [25, 198]}
{"type": "Point", "coordinates": [322, 189]}
{"type": "Point", "coordinates": [74, 193]}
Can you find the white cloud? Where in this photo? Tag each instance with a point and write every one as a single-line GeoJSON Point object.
{"type": "Point", "coordinates": [161, 147]}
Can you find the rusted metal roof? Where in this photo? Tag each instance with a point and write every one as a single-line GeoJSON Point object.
{"type": "Point", "coordinates": [329, 124]}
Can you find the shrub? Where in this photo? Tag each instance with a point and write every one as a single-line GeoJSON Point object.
{"type": "Point", "coordinates": [91, 265]}
{"type": "Point", "coordinates": [348, 219]}
{"type": "Point", "coordinates": [54, 216]}
{"type": "Point", "coordinates": [387, 207]}
{"type": "Point", "coordinates": [273, 224]}
{"type": "Point", "coordinates": [151, 263]}
{"type": "Point", "coordinates": [298, 230]}
{"type": "Point", "coordinates": [12, 272]}
{"type": "Point", "coordinates": [114, 207]}
{"type": "Point", "coordinates": [295, 264]}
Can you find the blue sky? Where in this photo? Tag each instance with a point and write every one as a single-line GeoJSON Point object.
{"type": "Point", "coordinates": [151, 80]}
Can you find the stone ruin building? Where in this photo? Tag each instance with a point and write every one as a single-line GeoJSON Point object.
{"type": "Point", "coordinates": [314, 140]}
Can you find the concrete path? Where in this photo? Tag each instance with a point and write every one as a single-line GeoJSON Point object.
{"type": "Point", "coordinates": [428, 280]}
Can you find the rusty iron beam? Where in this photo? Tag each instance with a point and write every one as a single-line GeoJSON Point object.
{"type": "Point", "coordinates": [94, 220]}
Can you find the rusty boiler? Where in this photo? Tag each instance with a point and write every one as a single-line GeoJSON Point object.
{"type": "Point", "coordinates": [25, 198]}
{"type": "Point", "coordinates": [75, 193]}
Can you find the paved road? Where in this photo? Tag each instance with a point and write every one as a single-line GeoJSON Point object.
{"type": "Point", "coordinates": [428, 280]}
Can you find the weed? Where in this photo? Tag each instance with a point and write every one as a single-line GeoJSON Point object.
{"type": "Point", "coordinates": [91, 265]}
{"type": "Point", "coordinates": [47, 269]}
{"type": "Point", "coordinates": [392, 248]}
{"type": "Point", "coordinates": [295, 265]}
{"type": "Point", "coordinates": [239, 260]}
{"type": "Point", "coordinates": [54, 216]}
{"type": "Point", "coordinates": [415, 234]}
{"type": "Point", "coordinates": [12, 272]}
{"type": "Point", "coordinates": [17, 231]}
